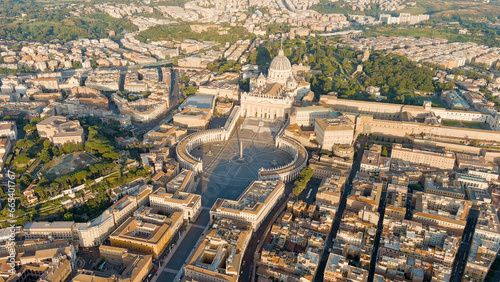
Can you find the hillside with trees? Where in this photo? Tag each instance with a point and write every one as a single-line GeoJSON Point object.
{"type": "Point", "coordinates": [334, 68]}
{"type": "Point", "coordinates": [182, 32]}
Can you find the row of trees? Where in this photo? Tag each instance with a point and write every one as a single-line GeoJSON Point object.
{"type": "Point", "coordinates": [301, 183]}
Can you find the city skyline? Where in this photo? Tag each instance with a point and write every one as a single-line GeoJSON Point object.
{"type": "Point", "coordinates": [213, 140]}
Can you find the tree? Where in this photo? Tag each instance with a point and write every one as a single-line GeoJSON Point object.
{"type": "Point", "coordinates": [25, 180]}
{"type": "Point", "coordinates": [29, 127]}
{"type": "Point", "coordinates": [77, 64]}
{"type": "Point", "coordinates": [384, 151]}
{"type": "Point", "coordinates": [22, 160]}
{"type": "Point", "coordinates": [190, 90]}
{"type": "Point", "coordinates": [45, 155]}
{"type": "Point", "coordinates": [68, 216]}
{"type": "Point", "coordinates": [475, 143]}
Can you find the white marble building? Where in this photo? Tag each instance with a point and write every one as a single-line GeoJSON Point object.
{"type": "Point", "coordinates": [272, 97]}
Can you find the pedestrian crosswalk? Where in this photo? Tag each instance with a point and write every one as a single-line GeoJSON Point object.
{"type": "Point", "coordinates": [169, 270]}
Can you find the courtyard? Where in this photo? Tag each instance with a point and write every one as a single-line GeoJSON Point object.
{"type": "Point", "coordinates": [67, 163]}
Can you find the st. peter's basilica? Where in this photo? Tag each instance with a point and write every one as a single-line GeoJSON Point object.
{"type": "Point", "coordinates": [272, 97]}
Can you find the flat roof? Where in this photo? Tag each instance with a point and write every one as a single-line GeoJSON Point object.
{"type": "Point", "coordinates": [44, 225]}
{"type": "Point", "coordinates": [199, 101]}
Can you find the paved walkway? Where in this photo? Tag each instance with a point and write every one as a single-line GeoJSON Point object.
{"type": "Point", "coordinates": [173, 267]}
{"type": "Point", "coordinates": [169, 256]}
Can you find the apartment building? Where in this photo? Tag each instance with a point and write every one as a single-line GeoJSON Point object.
{"type": "Point", "coordinates": [104, 80]}
{"type": "Point", "coordinates": [47, 83]}
{"type": "Point", "coordinates": [303, 226]}
{"type": "Point", "coordinates": [339, 269]}
{"type": "Point", "coordinates": [326, 170]}
{"type": "Point", "coordinates": [84, 101]}
{"type": "Point", "coordinates": [407, 247]}
{"type": "Point", "coordinates": [329, 191]}
{"type": "Point", "coordinates": [471, 181]}
{"type": "Point", "coordinates": [443, 212]}
{"type": "Point", "coordinates": [440, 184]}
{"type": "Point", "coordinates": [145, 109]}
{"type": "Point", "coordinates": [364, 193]}
{"type": "Point", "coordinates": [374, 162]}
{"type": "Point", "coordinates": [133, 84]}
{"type": "Point", "coordinates": [473, 162]}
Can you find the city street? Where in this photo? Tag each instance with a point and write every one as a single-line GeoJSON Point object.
{"type": "Point", "coordinates": [175, 95]}
{"type": "Point", "coordinates": [380, 228]}
{"type": "Point", "coordinates": [338, 216]}
{"type": "Point", "coordinates": [171, 268]}
{"type": "Point", "coordinates": [247, 270]}
{"type": "Point", "coordinates": [458, 267]}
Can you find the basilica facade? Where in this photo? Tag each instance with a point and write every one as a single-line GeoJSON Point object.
{"type": "Point", "coordinates": [272, 97]}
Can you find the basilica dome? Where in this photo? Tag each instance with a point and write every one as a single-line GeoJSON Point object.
{"type": "Point", "coordinates": [280, 63]}
{"type": "Point", "coordinates": [280, 69]}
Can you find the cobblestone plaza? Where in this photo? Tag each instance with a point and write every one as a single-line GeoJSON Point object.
{"type": "Point", "coordinates": [225, 174]}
